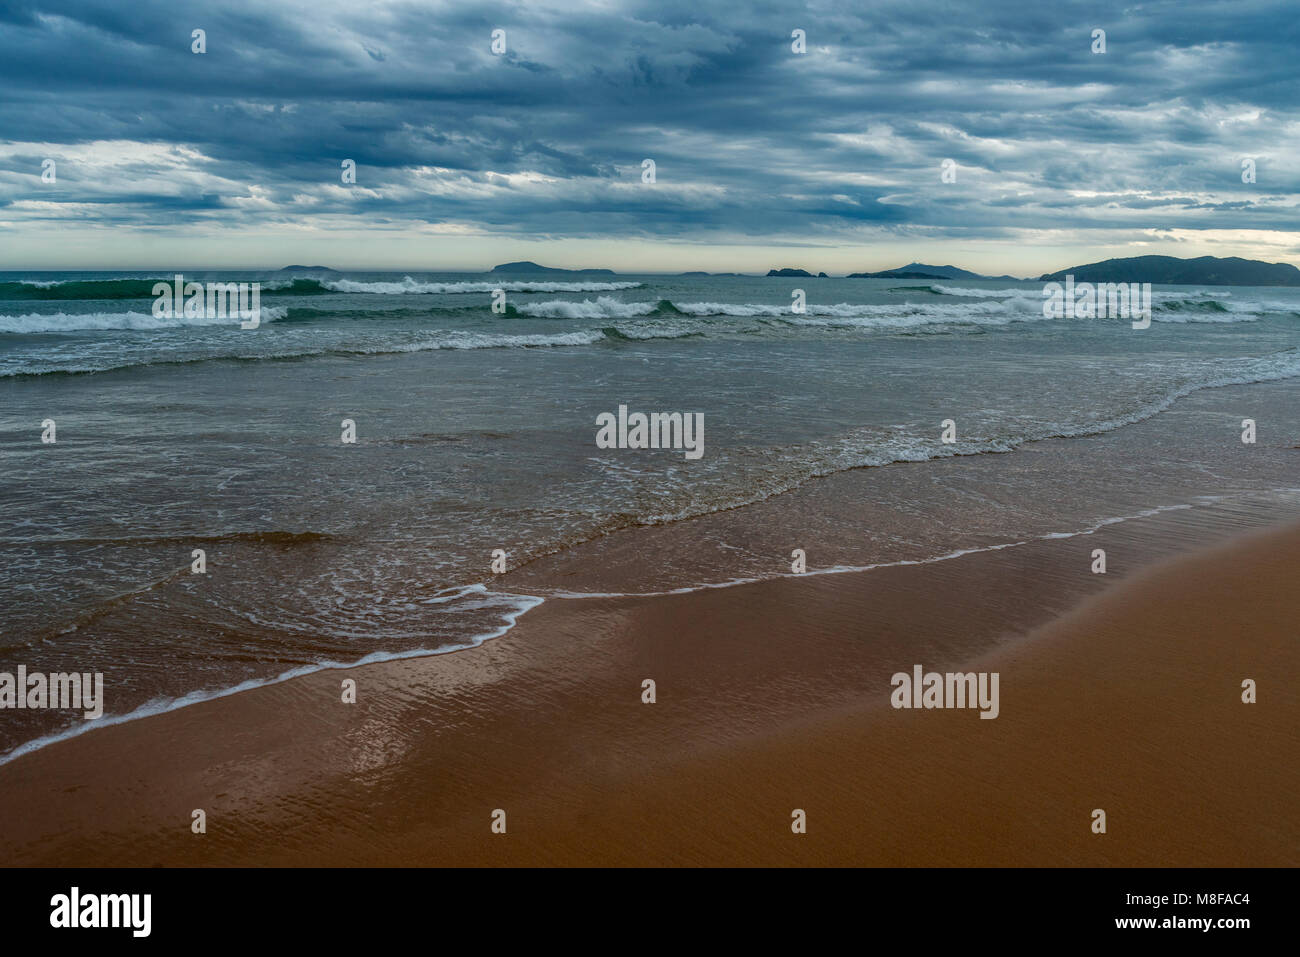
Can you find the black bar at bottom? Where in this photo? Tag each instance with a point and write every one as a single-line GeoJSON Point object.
{"type": "Point", "coordinates": [331, 907]}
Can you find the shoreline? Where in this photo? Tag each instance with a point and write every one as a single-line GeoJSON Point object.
{"type": "Point", "coordinates": [151, 710]}
{"type": "Point", "coordinates": [547, 722]}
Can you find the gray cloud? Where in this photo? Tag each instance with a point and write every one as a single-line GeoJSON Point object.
{"type": "Point", "coordinates": [750, 140]}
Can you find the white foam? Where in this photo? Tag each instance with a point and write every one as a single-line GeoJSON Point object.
{"type": "Point", "coordinates": [848, 569]}
{"type": "Point", "coordinates": [143, 321]}
{"type": "Point", "coordinates": [829, 458]}
{"type": "Point", "coordinates": [522, 603]}
{"type": "Point", "coordinates": [605, 307]}
{"type": "Point", "coordinates": [972, 293]}
{"type": "Point", "coordinates": [475, 340]}
{"type": "Point", "coordinates": [410, 286]}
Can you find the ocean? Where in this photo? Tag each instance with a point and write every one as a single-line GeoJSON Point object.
{"type": "Point", "coordinates": [475, 431]}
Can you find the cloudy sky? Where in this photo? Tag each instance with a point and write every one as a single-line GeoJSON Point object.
{"type": "Point", "coordinates": [830, 159]}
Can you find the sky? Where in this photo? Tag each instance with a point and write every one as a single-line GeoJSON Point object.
{"type": "Point", "coordinates": [828, 159]}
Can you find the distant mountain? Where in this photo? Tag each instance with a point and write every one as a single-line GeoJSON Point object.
{"type": "Point", "coordinates": [924, 271]}
{"type": "Point", "coordinates": [307, 269]}
{"type": "Point", "coordinates": [698, 273]}
{"type": "Point", "coordinates": [895, 274]}
{"type": "Point", "coordinates": [943, 272]}
{"type": "Point", "coordinates": [791, 273]}
{"type": "Point", "coordinates": [1202, 271]}
{"type": "Point", "coordinates": [533, 269]}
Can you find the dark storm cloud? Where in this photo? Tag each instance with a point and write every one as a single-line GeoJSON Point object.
{"type": "Point", "coordinates": [750, 139]}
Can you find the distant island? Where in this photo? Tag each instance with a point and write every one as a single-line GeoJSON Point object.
{"type": "Point", "coordinates": [1161, 270]}
{"type": "Point", "coordinates": [1170, 270]}
{"type": "Point", "coordinates": [531, 268]}
{"type": "Point", "coordinates": [924, 271]}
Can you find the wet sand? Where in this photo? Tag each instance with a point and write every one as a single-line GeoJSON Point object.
{"type": "Point", "coordinates": [1123, 695]}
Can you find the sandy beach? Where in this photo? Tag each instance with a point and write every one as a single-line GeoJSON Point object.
{"type": "Point", "coordinates": [1120, 695]}
{"type": "Point", "coordinates": [623, 435]}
